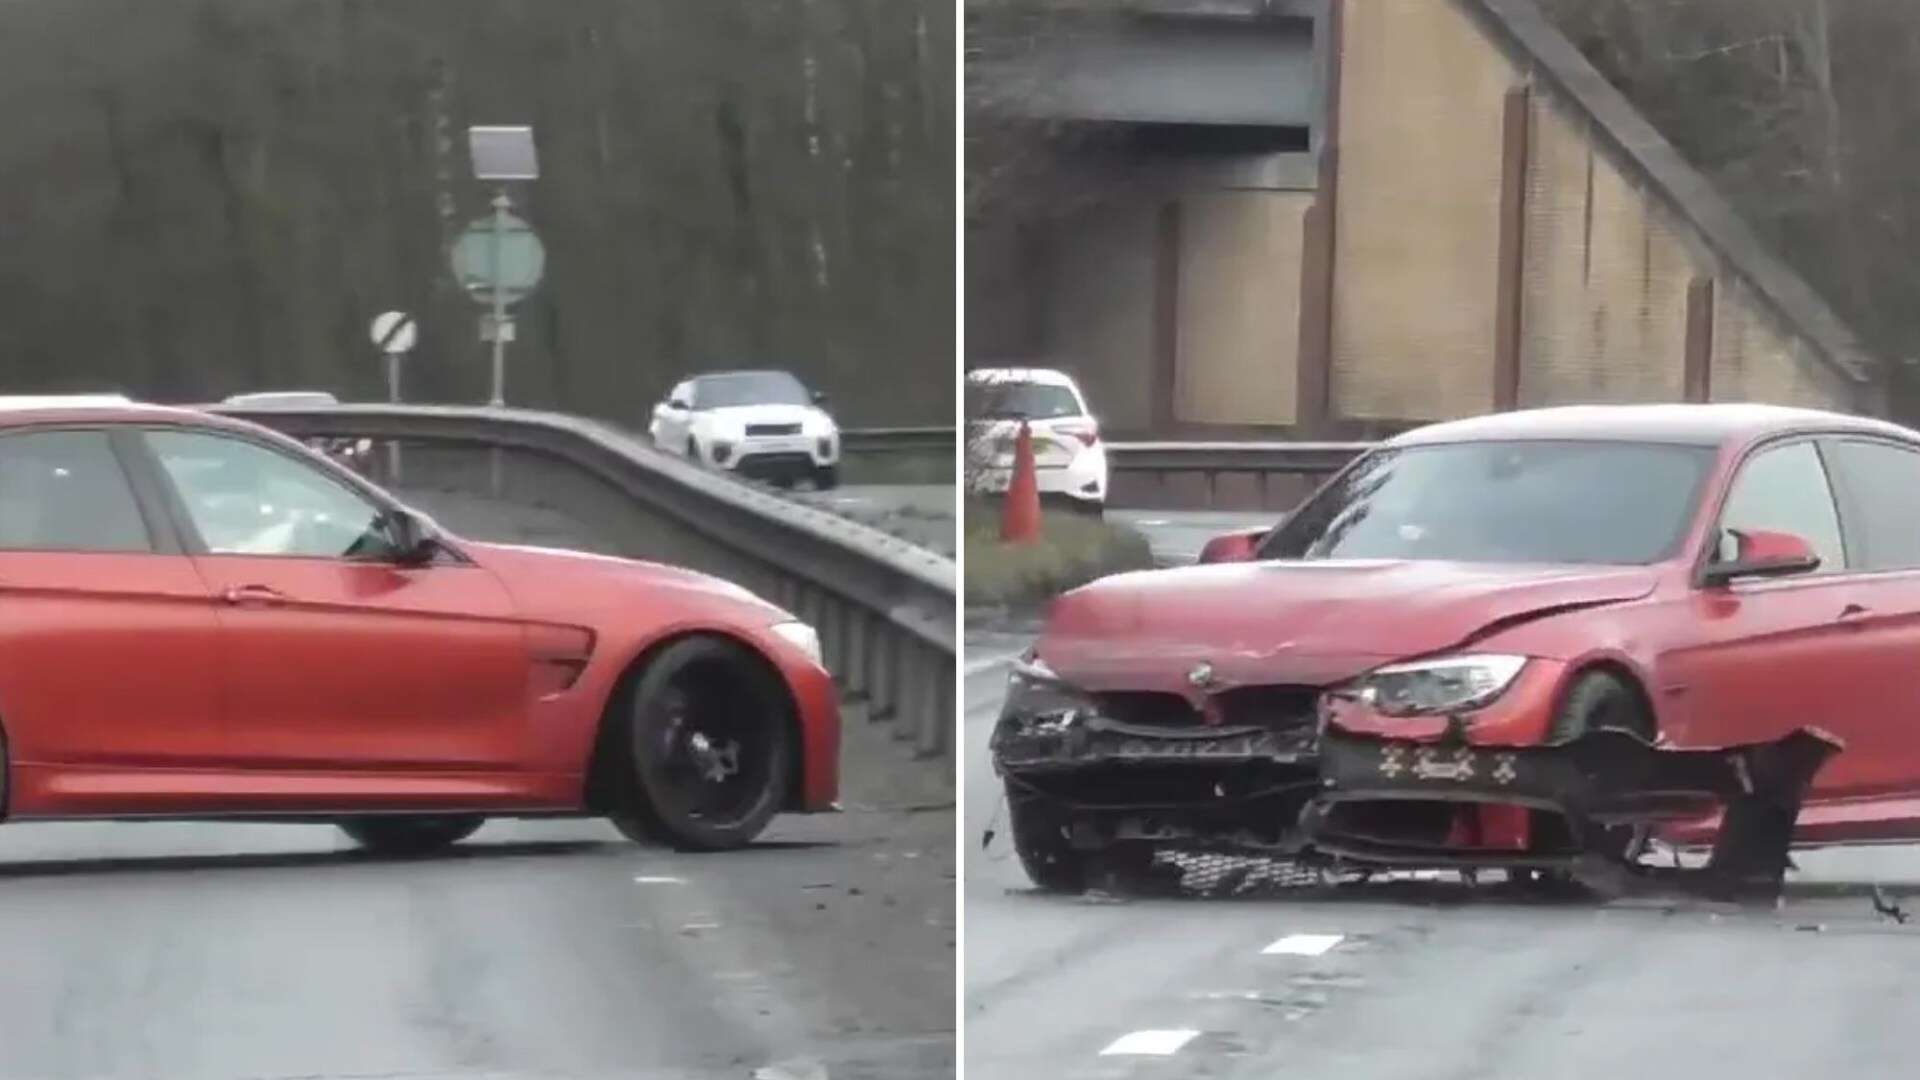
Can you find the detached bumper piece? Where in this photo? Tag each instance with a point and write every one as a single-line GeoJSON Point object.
{"type": "Point", "coordinates": [1604, 779]}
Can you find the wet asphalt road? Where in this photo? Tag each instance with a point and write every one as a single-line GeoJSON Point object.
{"type": "Point", "coordinates": [1422, 980]}
{"type": "Point", "coordinates": [536, 949]}
{"type": "Point", "coordinates": [1429, 979]}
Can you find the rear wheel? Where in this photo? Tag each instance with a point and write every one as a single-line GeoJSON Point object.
{"type": "Point", "coordinates": [710, 747]}
{"type": "Point", "coordinates": [408, 835]}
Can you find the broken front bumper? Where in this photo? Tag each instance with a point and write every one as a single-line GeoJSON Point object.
{"type": "Point", "coordinates": [1378, 800]}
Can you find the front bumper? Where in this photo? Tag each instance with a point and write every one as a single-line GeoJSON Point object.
{"type": "Point", "coordinates": [779, 457]}
{"type": "Point", "coordinates": [1372, 799]}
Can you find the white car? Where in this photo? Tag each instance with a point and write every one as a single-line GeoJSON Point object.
{"type": "Point", "coordinates": [761, 424]}
{"type": "Point", "coordinates": [1069, 461]}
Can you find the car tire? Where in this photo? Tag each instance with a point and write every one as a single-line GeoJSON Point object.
{"type": "Point", "coordinates": [1039, 827]}
{"type": "Point", "coordinates": [826, 478]}
{"type": "Point", "coordinates": [709, 747]}
{"type": "Point", "coordinates": [411, 835]}
{"type": "Point", "coordinates": [693, 451]}
{"type": "Point", "coordinates": [1600, 701]}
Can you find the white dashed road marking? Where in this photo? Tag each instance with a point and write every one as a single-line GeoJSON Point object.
{"type": "Point", "coordinates": [1151, 1043]}
{"type": "Point", "coordinates": [1303, 945]}
{"type": "Point", "coordinates": [659, 881]}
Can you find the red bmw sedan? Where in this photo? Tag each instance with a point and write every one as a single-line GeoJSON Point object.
{"type": "Point", "coordinates": [1525, 641]}
{"type": "Point", "coordinates": [201, 618]}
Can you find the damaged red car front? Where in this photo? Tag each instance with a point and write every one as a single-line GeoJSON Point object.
{"type": "Point", "coordinates": [1526, 641]}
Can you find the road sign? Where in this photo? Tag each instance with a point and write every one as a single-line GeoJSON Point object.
{"type": "Point", "coordinates": [522, 259]}
{"type": "Point", "coordinates": [395, 332]}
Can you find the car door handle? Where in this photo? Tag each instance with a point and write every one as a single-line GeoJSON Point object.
{"type": "Point", "coordinates": [1853, 612]}
{"type": "Point", "coordinates": [253, 594]}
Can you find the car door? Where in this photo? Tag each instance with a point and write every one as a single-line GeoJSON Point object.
{"type": "Point", "coordinates": [1878, 481]}
{"type": "Point", "coordinates": [334, 657]}
{"type": "Point", "coordinates": [670, 422]}
{"type": "Point", "coordinates": [1765, 656]}
{"type": "Point", "coordinates": [108, 638]}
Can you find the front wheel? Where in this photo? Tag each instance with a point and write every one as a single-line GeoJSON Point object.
{"type": "Point", "coordinates": [826, 477]}
{"type": "Point", "coordinates": [1599, 701]}
{"type": "Point", "coordinates": [710, 747]}
{"type": "Point", "coordinates": [407, 835]}
{"type": "Point", "coordinates": [1040, 838]}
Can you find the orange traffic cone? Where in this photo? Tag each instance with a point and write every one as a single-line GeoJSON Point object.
{"type": "Point", "coordinates": [1020, 513]}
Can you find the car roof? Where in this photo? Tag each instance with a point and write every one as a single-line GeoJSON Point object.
{"type": "Point", "coordinates": [1701, 425]}
{"type": "Point", "coordinates": [1043, 376]}
{"type": "Point", "coordinates": [29, 411]}
{"type": "Point", "coordinates": [742, 371]}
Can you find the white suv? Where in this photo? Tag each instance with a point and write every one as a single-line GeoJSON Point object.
{"type": "Point", "coordinates": [762, 424]}
{"type": "Point", "coordinates": [1069, 461]}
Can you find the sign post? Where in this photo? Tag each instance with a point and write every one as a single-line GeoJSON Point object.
{"type": "Point", "coordinates": [499, 259]}
{"type": "Point", "coordinates": [394, 333]}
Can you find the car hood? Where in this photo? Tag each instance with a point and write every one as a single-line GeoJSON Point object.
{"type": "Point", "coordinates": [770, 414]}
{"type": "Point", "coordinates": [577, 586]}
{"type": "Point", "coordinates": [1312, 622]}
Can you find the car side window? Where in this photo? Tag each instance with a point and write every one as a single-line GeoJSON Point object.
{"type": "Point", "coordinates": [66, 491]}
{"type": "Point", "coordinates": [1882, 481]}
{"type": "Point", "coordinates": [248, 500]}
{"type": "Point", "coordinates": [1785, 489]}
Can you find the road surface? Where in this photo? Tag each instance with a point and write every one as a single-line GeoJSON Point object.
{"type": "Point", "coordinates": [1426, 980]}
{"type": "Point", "coordinates": [536, 949]}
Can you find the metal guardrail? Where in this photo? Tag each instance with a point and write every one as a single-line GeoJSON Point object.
{"type": "Point", "coordinates": [885, 609]}
{"type": "Point", "coordinates": [898, 455]}
{"type": "Point", "coordinates": [1221, 475]}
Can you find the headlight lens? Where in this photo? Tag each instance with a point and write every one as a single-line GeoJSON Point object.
{"type": "Point", "coordinates": [1452, 684]}
{"type": "Point", "coordinates": [802, 637]}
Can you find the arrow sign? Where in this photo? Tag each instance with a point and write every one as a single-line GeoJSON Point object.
{"type": "Point", "coordinates": [395, 332]}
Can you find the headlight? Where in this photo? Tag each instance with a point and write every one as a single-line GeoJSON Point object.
{"type": "Point", "coordinates": [1034, 690]}
{"type": "Point", "coordinates": [1425, 687]}
{"type": "Point", "coordinates": [802, 637]}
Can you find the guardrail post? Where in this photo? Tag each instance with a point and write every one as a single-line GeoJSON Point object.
{"type": "Point", "coordinates": [859, 627]}
{"type": "Point", "coordinates": [882, 678]}
{"type": "Point", "coordinates": [939, 717]}
{"type": "Point", "coordinates": [827, 626]}
{"type": "Point", "coordinates": [910, 690]}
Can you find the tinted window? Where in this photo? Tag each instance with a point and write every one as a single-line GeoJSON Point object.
{"type": "Point", "coordinates": [1785, 490]}
{"type": "Point", "coordinates": [1020, 400]}
{"type": "Point", "coordinates": [1522, 502]}
{"type": "Point", "coordinates": [748, 388]}
{"type": "Point", "coordinates": [247, 500]}
{"type": "Point", "coordinates": [1883, 518]}
{"type": "Point", "coordinates": [65, 491]}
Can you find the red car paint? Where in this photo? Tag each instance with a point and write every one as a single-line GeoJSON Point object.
{"type": "Point", "coordinates": [176, 683]}
{"type": "Point", "coordinates": [1746, 662]}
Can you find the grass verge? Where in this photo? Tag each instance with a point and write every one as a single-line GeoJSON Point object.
{"type": "Point", "coordinates": [1073, 549]}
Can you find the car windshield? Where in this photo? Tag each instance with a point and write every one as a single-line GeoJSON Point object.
{"type": "Point", "coordinates": [748, 388]}
{"type": "Point", "coordinates": [1517, 502]}
{"type": "Point", "coordinates": [1019, 400]}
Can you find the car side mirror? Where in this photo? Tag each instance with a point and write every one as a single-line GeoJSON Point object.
{"type": "Point", "coordinates": [676, 405]}
{"type": "Point", "coordinates": [819, 397]}
{"type": "Point", "coordinates": [1233, 547]}
{"type": "Point", "coordinates": [1762, 553]}
{"type": "Point", "coordinates": [414, 543]}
